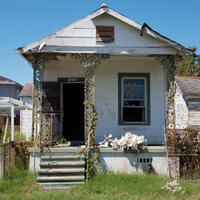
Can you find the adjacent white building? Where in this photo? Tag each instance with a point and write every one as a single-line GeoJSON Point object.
{"type": "Point", "coordinates": [26, 115]}
{"type": "Point", "coordinates": [187, 102]}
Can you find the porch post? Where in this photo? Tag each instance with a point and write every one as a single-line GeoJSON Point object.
{"type": "Point", "coordinates": [168, 64]}
{"type": "Point", "coordinates": [12, 121]}
{"type": "Point", "coordinates": [38, 68]}
{"type": "Point", "coordinates": [90, 63]}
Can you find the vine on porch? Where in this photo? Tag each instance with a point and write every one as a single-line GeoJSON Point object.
{"type": "Point", "coordinates": [90, 63]}
{"type": "Point", "coordinates": [41, 128]}
{"type": "Point", "coordinates": [168, 63]}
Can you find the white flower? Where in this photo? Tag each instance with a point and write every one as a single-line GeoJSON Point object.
{"type": "Point", "coordinates": [172, 187]}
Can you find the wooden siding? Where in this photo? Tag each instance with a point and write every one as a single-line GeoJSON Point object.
{"type": "Point", "coordinates": [5, 90]}
{"type": "Point", "coordinates": [194, 111]}
{"type": "Point", "coordinates": [107, 92]}
{"type": "Point", "coordinates": [127, 40]}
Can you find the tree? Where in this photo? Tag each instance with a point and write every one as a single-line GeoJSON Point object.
{"type": "Point", "coordinates": [189, 65]}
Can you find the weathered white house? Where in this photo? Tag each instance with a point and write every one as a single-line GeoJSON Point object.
{"type": "Point", "coordinates": [129, 88]}
{"type": "Point", "coordinates": [187, 102]}
{"type": "Point", "coordinates": [26, 115]}
{"type": "Point", "coordinates": [124, 68]}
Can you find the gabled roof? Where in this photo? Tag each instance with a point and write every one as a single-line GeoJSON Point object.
{"type": "Point", "coordinates": [27, 90]}
{"type": "Point", "coordinates": [6, 81]}
{"type": "Point", "coordinates": [188, 85]}
{"type": "Point", "coordinates": [38, 45]}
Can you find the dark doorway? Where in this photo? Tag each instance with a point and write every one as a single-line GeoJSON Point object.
{"type": "Point", "coordinates": [73, 108]}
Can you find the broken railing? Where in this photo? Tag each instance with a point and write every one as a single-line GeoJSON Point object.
{"type": "Point", "coordinates": [8, 106]}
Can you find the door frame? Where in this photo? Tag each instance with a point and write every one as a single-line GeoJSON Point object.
{"type": "Point", "coordinates": [71, 80]}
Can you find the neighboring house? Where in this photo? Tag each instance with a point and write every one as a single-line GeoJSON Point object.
{"type": "Point", "coordinates": [125, 65]}
{"type": "Point", "coordinates": [187, 102]}
{"type": "Point", "coordinates": [26, 115]}
{"type": "Point", "coordinates": [9, 88]}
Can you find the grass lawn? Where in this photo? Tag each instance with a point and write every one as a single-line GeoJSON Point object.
{"type": "Point", "coordinates": [21, 185]}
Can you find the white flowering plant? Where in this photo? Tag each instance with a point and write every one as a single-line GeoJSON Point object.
{"type": "Point", "coordinates": [173, 187]}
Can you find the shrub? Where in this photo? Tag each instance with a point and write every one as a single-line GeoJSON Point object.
{"type": "Point", "coordinates": [185, 143]}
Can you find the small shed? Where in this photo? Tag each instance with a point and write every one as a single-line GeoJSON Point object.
{"type": "Point", "coordinates": [187, 102]}
{"type": "Point", "coordinates": [26, 116]}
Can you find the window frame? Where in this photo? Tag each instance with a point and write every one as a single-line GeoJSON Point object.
{"type": "Point", "coordinates": [100, 38]}
{"type": "Point", "coordinates": [144, 76]}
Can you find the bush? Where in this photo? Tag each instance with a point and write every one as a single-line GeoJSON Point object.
{"type": "Point", "coordinates": [185, 142]}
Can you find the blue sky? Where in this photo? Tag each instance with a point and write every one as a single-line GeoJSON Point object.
{"type": "Point", "coordinates": [25, 21]}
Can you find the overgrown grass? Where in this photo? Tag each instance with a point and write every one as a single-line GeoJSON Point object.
{"type": "Point", "coordinates": [20, 184]}
{"type": "Point", "coordinates": [17, 134]}
{"type": "Point", "coordinates": [17, 183]}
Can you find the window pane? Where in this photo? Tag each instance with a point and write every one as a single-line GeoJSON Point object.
{"type": "Point", "coordinates": [133, 89]}
{"type": "Point", "coordinates": [133, 81]}
{"type": "Point", "coordinates": [133, 114]}
{"type": "Point", "coordinates": [133, 103]}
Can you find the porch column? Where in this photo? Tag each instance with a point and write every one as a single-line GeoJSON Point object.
{"type": "Point", "coordinates": [12, 121]}
{"type": "Point", "coordinates": [90, 63]}
{"type": "Point", "coordinates": [38, 74]}
{"type": "Point", "coordinates": [168, 64]}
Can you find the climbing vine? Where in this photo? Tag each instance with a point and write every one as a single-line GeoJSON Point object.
{"type": "Point", "coordinates": [90, 63]}
{"type": "Point", "coordinates": [168, 64]}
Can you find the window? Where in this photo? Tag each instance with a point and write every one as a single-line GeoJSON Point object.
{"type": "Point", "coordinates": [18, 94]}
{"type": "Point", "coordinates": [105, 34]}
{"type": "Point", "coordinates": [134, 99]}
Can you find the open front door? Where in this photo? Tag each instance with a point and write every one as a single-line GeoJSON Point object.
{"type": "Point", "coordinates": [51, 109]}
{"type": "Point", "coordinates": [73, 112]}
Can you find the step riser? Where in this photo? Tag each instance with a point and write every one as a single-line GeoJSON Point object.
{"type": "Point", "coordinates": [73, 153]}
{"type": "Point", "coordinates": [67, 157]}
{"type": "Point", "coordinates": [62, 160]}
{"type": "Point", "coordinates": [61, 174]}
{"type": "Point", "coordinates": [54, 184]}
{"type": "Point", "coordinates": [71, 170]}
{"type": "Point", "coordinates": [54, 166]}
{"type": "Point", "coordinates": [60, 179]}
{"type": "Point", "coordinates": [70, 182]}
{"type": "Point", "coordinates": [61, 166]}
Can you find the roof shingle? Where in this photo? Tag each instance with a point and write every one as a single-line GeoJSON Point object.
{"type": "Point", "coordinates": [27, 91]}
{"type": "Point", "coordinates": [188, 85]}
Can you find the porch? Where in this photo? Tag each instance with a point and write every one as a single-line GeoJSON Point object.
{"type": "Point", "coordinates": [150, 160]}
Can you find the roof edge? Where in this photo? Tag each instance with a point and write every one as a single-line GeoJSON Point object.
{"type": "Point", "coordinates": [39, 44]}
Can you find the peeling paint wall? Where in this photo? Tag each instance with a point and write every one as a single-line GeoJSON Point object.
{"type": "Point", "coordinates": [106, 78]}
{"type": "Point", "coordinates": [107, 98]}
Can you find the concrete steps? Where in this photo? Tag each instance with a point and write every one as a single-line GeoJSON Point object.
{"type": "Point", "coordinates": [65, 164]}
{"type": "Point", "coordinates": [61, 169]}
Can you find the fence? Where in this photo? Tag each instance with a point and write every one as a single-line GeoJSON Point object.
{"type": "Point", "coordinates": [184, 151]}
{"type": "Point", "coordinates": [14, 154]}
